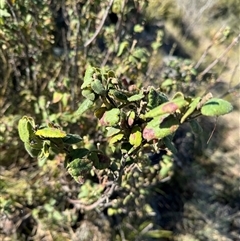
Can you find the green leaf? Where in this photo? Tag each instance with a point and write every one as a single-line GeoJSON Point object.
{"type": "Point", "coordinates": [196, 128]}
{"type": "Point", "coordinates": [25, 128]}
{"type": "Point", "coordinates": [140, 54]}
{"type": "Point", "coordinates": [119, 95]}
{"type": "Point", "coordinates": [192, 107]}
{"type": "Point", "coordinates": [122, 47]}
{"type": "Point", "coordinates": [116, 138]}
{"type": "Point", "coordinates": [84, 106]}
{"type": "Point", "coordinates": [78, 153]}
{"type": "Point", "coordinates": [88, 77]}
{"type": "Point", "coordinates": [155, 98]}
{"type": "Point", "coordinates": [97, 87]}
{"type": "Point", "coordinates": [160, 127]}
{"type": "Point", "coordinates": [88, 93]}
{"type": "Point", "coordinates": [4, 13]}
{"type": "Point", "coordinates": [216, 107]}
{"type": "Point", "coordinates": [57, 96]}
{"type": "Point", "coordinates": [135, 137]}
{"type": "Point", "coordinates": [168, 107]}
{"type": "Point", "coordinates": [44, 154]}
{"type": "Point", "coordinates": [112, 131]}
{"type": "Point", "coordinates": [166, 166]}
{"type": "Point", "coordinates": [170, 145]}
{"type": "Point", "coordinates": [31, 151]}
{"type": "Point", "coordinates": [110, 117]}
{"type": "Point", "coordinates": [79, 168]}
{"type": "Point", "coordinates": [138, 28]}
{"type": "Point", "coordinates": [131, 117]}
{"type": "Point", "coordinates": [166, 83]}
{"type": "Point", "coordinates": [50, 132]}
{"type": "Point", "coordinates": [72, 139]}
{"type": "Point", "coordinates": [136, 97]}
{"type": "Point", "coordinates": [159, 234]}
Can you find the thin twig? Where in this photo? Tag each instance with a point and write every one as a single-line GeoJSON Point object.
{"type": "Point", "coordinates": [235, 40]}
{"type": "Point", "coordinates": [208, 48]}
{"type": "Point", "coordinates": [80, 205]}
{"type": "Point", "coordinates": [101, 24]}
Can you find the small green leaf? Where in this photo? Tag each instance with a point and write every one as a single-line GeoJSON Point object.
{"type": "Point", "coordinates": [79, 168]}
{"type": "Point", "coordinates": [138, 28]}
{"type": "Point", "coordinates": [135, 137]}
{"type": "Point", "coordinates": [31, 151]}
{"type": "Point", "coordinates": [170, 145]}
{"type": "Point", "coordinates": [87, 93]}
{"type": "Point", "coordinates": [84, 106]}
{"type": "Point", "coordinates": [78, 153]}
{"type": "Point", "coordinates": [26, 127]}
{"type": "Point", "coordinates": [50, 132]}
{"type": "Point", "coordinates": [97, 87]}
{"type": "Point", "coordinates": [110, 117]}
{"type": "Point", "coordinates": [155, 98]}
{"type": "Point", "coordinates": [88, 77]}
{"type": "Point", "coordinates": [166, 166]}
{"type": "Point", "coordinates": [166, 83]}
{"type": "Point", "coordinates": [196, 128]}
{"type": "Point", "coordinates": [119, 95]}
{"type": "Point", "coordinates": [116, 138]}
{"type": "Point", "coordinates": [72, 139]}
{"type": "Point", "coordinates": [136, 97]}
{"type": "Point", "coordinates": [112, 131]}
{"type": "Point", "coordinates": [44, 154]}
{"type": "Point", "coordinates": [192, 107]}
{"type": "Point", "coordinates": [131, 117]}
{"type": "Point", "coordinates": [57, 96]}
{"type": "Point", "coordinates": [159, 234]}
{"type": "Point", "coordinates": [122, 47]}
{"type": "Point", "coordinates": [216, 107]}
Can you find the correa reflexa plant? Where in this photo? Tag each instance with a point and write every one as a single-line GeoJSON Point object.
{"type": "Point", "coordinates": [134, 123]}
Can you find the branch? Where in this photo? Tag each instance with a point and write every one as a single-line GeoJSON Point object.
{"type": "Point", "coordinates": [79, 205]}
{"type": "Point", "coordinates": [219, 58]}
{"type": "Point", "coordinates": [101, 24]}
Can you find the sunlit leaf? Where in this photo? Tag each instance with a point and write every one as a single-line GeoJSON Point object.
{"type": "Point", "coordinates": [112, 131]}
{"type": "Point", "coordinates": [167, 107]}
{"type": "Point", "coordinates": [136, 97]}
{"type": "Point", "coordinates": [116, 138]}
{"type": "Point", "coordinates": [159, 234]}
{"type": "Point", "coordinates": [192, 107]}
{"type": "Point", "coordinates": [216, 107]}
{"type": "Point", "coordinates": [50, 132]}
{"type": "Point", "coordinates": [159, 128]}
{"type": "Point", "coordinates": [57, 96]}
{"type": "Point", "coordinates": [131, 118]}
{"type": "Point", "coordinates": [122, 47]}
{"type": "Point", "coordinates": [25, 128]}
{"type": "Point", "coordinates": [110, 117]}
{"type": "Point", "coordinates": [135, 137]}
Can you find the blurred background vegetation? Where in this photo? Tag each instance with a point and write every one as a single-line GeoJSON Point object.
{"type": "Point", "coordinates": [45, 47]}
